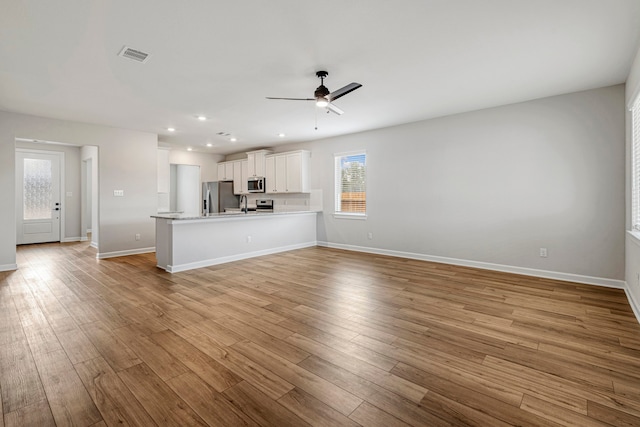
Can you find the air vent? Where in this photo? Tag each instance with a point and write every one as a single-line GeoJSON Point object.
{"type": "Point", "coordinates": [136, 55]}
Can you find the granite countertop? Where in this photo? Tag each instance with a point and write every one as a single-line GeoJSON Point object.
{"type": "Point", "coordinates": [222, 215]}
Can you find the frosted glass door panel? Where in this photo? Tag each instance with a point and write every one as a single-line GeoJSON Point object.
{"type": "Point", "coordinates": [38, 203]}
{"type": "Point", "coordinates": [37, 187]}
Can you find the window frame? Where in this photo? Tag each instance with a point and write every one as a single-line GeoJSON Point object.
{"type": "Point", "coordinates": [635, 166]}
{"type": "Point", "coordinates": [337, 160]}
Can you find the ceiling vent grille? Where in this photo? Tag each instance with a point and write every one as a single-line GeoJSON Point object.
{"type": "Point", "coordinates": [134, 54]}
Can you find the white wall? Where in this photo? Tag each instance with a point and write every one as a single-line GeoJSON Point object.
{"type": "Point", "coordinates": [493, 186]}
{"type": "Point", "coordinates": [632, 255]}
{"type": "Point", "coordinates": [127, 161]}
{"type": "Point", "coordinates": [71, 204]}
{"type": "Point", "coordinates": [208, 162]}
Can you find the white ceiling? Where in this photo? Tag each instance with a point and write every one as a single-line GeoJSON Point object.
{"type": "Point", "coordinates": [416, 59]}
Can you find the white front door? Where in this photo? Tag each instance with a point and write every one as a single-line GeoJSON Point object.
{"type": "Point", "coordinates": [38, 204]}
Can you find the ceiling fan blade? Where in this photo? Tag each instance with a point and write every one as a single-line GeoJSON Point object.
{"type": "Point", "coordinates": [334, 109]}
{"type": "Point", "coordinates": [293, 99]}
{"type": "Point", "coordinates": [343, 91]}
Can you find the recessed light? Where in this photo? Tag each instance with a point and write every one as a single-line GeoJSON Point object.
{"type": "Point", "coordinates": [209, 145]}
{"type": "Point", "coordinates": [189, 149]}
{"type": "Point", "coordinates": [281, 135]}
{"type": "Point", "coordinates": [171, 129]}
{"type": "Point", "coordinates": [233, 139]}
{"type": "Point", "coordinates": [202, 118]}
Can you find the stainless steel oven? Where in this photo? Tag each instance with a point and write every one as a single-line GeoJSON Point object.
{"type": "Point", "coordinates": [264, 205]}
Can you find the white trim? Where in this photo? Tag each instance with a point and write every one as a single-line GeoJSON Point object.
{"type": "Point", "coordinates": [8, 267]}
{"type": "Point", "coordinates": [567, 277]}
{"type": "Point", "coordinates": [93, 245]}
{"type": "Point", "coordinates": [635, 304]}
{"type": "Point", "coordinates": [238, 257]}
{"type": "Point", "coordinates": [114, 254]}
{"type": "Point", "coordinates": [84, 239]}
{"type": "Point", "coordinates": [71, 239]}
{"type": "Point", "coordinates": [339, 215]}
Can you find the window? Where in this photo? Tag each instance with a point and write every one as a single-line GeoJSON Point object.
{"type": "Point", "coordinates": [350, 182]}
{"type": "Point", "coordinates": [635, 165]}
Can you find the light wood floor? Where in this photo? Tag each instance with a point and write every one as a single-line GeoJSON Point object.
{"type": "Point", "coordinates": [310, 337]}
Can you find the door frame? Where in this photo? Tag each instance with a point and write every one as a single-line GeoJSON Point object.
{"type": "Point", "coordinates": [63, 205]}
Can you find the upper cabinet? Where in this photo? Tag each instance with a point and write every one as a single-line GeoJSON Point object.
{"type": "Point", "coordinates": [288, 172]}
{"type": "Point", "coordinates": [244, 174]}
{"type": "Point", "coordinates": [256, 163]}
{"type": "Point", "coordinates": [225, 171]}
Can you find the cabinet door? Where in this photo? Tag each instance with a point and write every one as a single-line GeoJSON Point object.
{"type": "Point", "coordinates": [294, 173]}
{"type": "Point", "coordinates": [251, 159]}
{"type": "Point", "coordinates": [228, 171]}
{"type": "Point", "coordinates": [259, 164]}
{"type": "Point", "coordinates": [270, 174]}
{"type": "Point", "coordinates": [221, 172]}
{"type": "Point", "coordinates": [281, 174]}
{"type": "Point", "coordinates": [237, 177]}
{"type": "Point", "coordinates": [244, 176]}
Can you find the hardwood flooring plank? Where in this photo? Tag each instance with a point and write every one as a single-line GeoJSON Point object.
{"type": "Point", "coordinates": [400, 386]}
{"type": "Point", "coordinates": [403, 409]}
{"type": "Point", "coordinates": [245, 368]}
{"type": "Point", "coordinates": [368, 415]}
{"type": "Point", "coordinates": [36, 414]}
{"type": "Point", "coordinates": [314, 411]}
{"type": "Point", "coordinates": [323, 390]}
{"type": "Point", "coordinates": [162, 403]}
{"type": "Point", "coordinates": [114, 400]}
{"type": "Point", "coordinates": [558, 414]}
{"type": "Point", "coordinates": [157, 358]}
{"type": "Point", "coordinates": [19, 379]}
{"type": "Point", "coordinates": [113, 349]}
{"type": "Point", "coordinates": [212, 372]}
{"type": "Point", "coordinates": [260, 408]}
{"type": "Point", "coordinates": [611, 416]}
{"type": "Point", "coordinates": [210, 405]}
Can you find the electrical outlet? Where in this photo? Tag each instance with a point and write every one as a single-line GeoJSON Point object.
{"type": "Point", "coordinates": [248, 239]}
{"type": "Point", "coordinates": [543, 252]}
{"type": "Point", "coordinates": [118, 193]}
{"type": "Point", "coordinates": [138, 236]}
{"type": "Point", "coordinates": [370, 235]}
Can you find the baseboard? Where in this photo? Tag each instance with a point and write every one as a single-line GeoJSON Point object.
{"type": "Point", "coordinates": [114, 254]}
{"type": "Point", "coordinates": [72, 239]}
{"type": "Point", "coordinates": [239, 257]}
{"type": "Point", "coordinates": [94, 245]}
{"type": "Point", "coordinates": [8, 267]}
{"type": "Point", "coordinates": [633, 302]}
{"type": "Point", "coordinates": [567, 277]}
{"type": "Point", "coordinates": [84, 239]}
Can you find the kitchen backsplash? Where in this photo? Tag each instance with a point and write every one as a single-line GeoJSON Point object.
{"type": "Point", "coordinates": [292, 202]}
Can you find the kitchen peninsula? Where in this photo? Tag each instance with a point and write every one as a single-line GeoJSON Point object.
{"type": "Point", "coordinates": [186, 242]}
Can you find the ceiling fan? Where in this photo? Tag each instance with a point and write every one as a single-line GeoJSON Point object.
{"type": "Point", "coordinates": [323, 97]}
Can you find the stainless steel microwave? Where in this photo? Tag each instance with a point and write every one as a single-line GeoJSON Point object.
{"type": "Point", "coordinates": [256, 185]}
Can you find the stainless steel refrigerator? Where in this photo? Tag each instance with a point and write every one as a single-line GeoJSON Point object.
{"type": "Point", "coordinates": [218, 195]}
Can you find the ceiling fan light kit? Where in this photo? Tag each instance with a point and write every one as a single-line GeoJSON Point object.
{"type": "Point", "coordinates": [323, 97]}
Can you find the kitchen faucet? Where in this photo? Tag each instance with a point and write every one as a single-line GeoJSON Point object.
{"type": "Point", "coordinates": [246, 202]}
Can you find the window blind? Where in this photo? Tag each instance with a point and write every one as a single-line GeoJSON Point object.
{"type": "Point", "coordinates": [350, 183]}
{"type": "Point", "coordinates": [635, 166]}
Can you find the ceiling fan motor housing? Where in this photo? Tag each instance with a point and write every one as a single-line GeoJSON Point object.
{"type": "Point", "coordinates": [321, 92]}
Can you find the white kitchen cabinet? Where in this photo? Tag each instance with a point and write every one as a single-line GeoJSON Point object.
{"type": "Point", "coordinates": [256, 163]}
{"type": "Point", "coordinates": [244, 176]}
{"type": "Point", "coordinates": [237, 177]}
{"type": "Point", "coordinates": [225, 171]}
{"type": "Point", "coordinates": [270, 174]}
{"type": "Point", "coordinates": [288, 172]}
